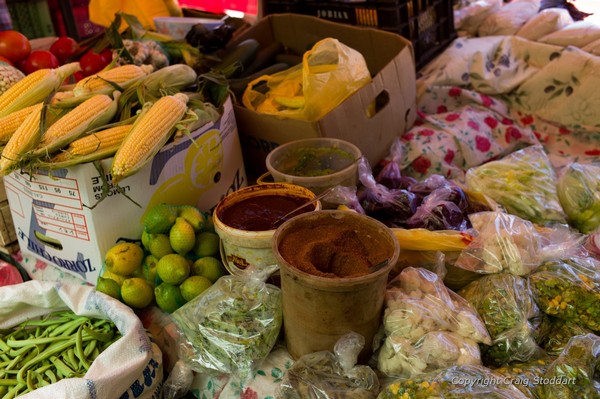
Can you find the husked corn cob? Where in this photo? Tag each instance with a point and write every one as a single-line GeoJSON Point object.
{"type": "Point", "coordinates": [34, 88]}
{"type": "Point", "coordinates": [11, 122]}
{"type": "Point", "coordinates": [25, 138]}
{"type": "Point", "coordinates": [94, 112]}
{"type": "Point", "coordinates": [122, 75]}
{"type": "Point", "coordinates": [104, 143]}
{"type": "Point", "coordinates": [151, 130]}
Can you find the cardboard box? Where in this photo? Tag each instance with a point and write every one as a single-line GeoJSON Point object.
{"type": "Point", "coordinates": [56, 220]}
{"type": "Point", "coordinates": [391, 62]}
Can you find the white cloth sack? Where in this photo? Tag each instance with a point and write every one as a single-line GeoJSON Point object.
{"type": "Point", "coordinates": [469, 18]}
{"type": "Point", "coordinates": [509, 18]}
{"type": "Point", "coordinates": [577, 34]}
{"type": "Point", "coordinates": [131, 367]}
{"type": "Point", "coordinates": [547, 21]}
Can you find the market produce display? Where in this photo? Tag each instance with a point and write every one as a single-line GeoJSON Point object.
{"type": "Point", "coordinates": [39, 352]}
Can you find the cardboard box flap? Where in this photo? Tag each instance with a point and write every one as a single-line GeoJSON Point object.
{"type": "Point", "coordinates": [300, 32]}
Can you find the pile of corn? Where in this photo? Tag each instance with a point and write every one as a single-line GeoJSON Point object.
{"type": "Point", "coordinates": [41, 126]}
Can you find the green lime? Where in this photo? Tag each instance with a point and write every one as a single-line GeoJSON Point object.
{"type": "Point", "coordinates": [173, 268]}
{"type": "Point", "coordinates": [109, 287]}
{"type": "Point", "coordinates": [208, 267]}
{"type": "Point", "coordinates": [113, 276]}
{"type": "Point", "coordinates": [182, 236]}
{"type": "Point", "coordinates": [137, 292]}
{"type": "Point", "coordinates": [160, 219]}
{"type": "Point", "coordinates": [146, 237]}
{"type": "Point", "coordinates": [194, 286]}
{"type": "Point", "coordinates": [160, 245]}
{"type": "Point", "coordinates": [193, 216]}
{"type": "Point", "coordinates": [149, 268]}
{"type": "Point", "coordinates": [168, 297]}
{"type": "Point", "coordinates": [209, 225]}
{"type": "Point", "coordinates": [124, 258]}
{"type": "Point", "coordinates": [207, 244]}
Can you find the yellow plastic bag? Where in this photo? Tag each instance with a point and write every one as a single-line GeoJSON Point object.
{"type": "Point", "coordinates": [330, 72]}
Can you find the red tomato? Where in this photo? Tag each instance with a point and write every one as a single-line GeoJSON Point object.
{"type": "Point", "coordinates": [14, 45]}
{"type": "Point", "coordinates": [106, 55]}
{"type": "Point", "coordinates": [63, 48]}
{"type": "Point", "coordinates": [92, 63]}
{"type": "Point", "coordinates": [6, 60]}
{"type": "Point", "coordinates": [39, 59]}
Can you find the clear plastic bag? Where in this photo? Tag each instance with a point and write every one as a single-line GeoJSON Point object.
{"type": "Point", "coordinates": [330, 72]}
{"type": "Point", "coordinates": [570, 376]}
{"type": "Point", "coordinates": [570, 289]}
{"type": "Point", "coordinates": [523, 183]}
{"type": "Point", "coordinates": [525, 376]}
{"type": "Point", "coordinates": [327, 375]}
{"type": "Point", "coordinates": [427, 326]}
{"type": "Point", "coordinates": [439, 212]}
{"type": "Point", "coordinates": [559, 335]}
{"type": "Point", "coordinates": [504, 243]}
{"type": "Point", "coordinates": [457, 382]}
{"type": "Point", "coordinates": [390, 174]}
{"type": "Point", "coordinates": [579, 195]}
{"type": "Point", "coordinates": [514, 321]}
{"type": "Point", "coordinates": [232, 326]}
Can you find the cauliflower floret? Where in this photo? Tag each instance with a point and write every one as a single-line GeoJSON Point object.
{"type": "Point", "coordinates": [395, 358]}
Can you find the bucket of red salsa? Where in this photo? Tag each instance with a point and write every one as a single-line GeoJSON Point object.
{"type": "Point", "coordinates": [246, 220]}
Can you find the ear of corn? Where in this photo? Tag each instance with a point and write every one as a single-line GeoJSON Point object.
{"type": "Point", "coordinates": [34, 88]}
{"type": "Point", "coordinates": [98, 145]}
{"type": "Point", "coordinates": [151, 130]}
{"type": "Point", "coordinates": [122, 75]}
{"type": "Point", "coordinates": [92, 113]}
{"type": "Point", "coordinates": [11, 122]}
{"type": "Point", "coordinates": [173, 77]}
{"type": "Point", "coordinates": [25, 138]}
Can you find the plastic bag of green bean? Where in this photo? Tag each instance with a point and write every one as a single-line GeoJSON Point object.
{"type": "Point", "coordinates": [71, 342]}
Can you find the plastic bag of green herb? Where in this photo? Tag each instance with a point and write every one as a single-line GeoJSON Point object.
{"type": "Point", "coordinates": [559, 335]}
{"type": "Point", "coordinates": [525, 376]}
{"type": "Point", "coordinates": [457, 382]}
{"type": "Point", "coordinates": [570, 376]}
{"type": "Point", "coordinates": [570, 290]}
{"type": "Point", "coordinates": [334, 374]}
{"type": "Point", "coordinates": [514, 321]}
{"type": "Point", "coordinates": [579, 195]}
{"type": "Point", "coordinates": [523, 183]}
{"type": "Point", "coordinates": [232, 326]}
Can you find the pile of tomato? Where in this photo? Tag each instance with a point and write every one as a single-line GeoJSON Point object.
{"type": "Point", "coordinates": [15, 49]}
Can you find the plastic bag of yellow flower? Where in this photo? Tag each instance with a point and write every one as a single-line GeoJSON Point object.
{"type": "Point", "coordinates": [570, 290]}
{"type": "Point", "coordinates": [464, 382]}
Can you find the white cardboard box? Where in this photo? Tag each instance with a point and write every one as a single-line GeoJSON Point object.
{"type": "Point", "coordinates": [60, 208]}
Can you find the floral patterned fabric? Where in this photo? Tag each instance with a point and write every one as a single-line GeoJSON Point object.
{"type": "Point", "coordinates": [484, 98]}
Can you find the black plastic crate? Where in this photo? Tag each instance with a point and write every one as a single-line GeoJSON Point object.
{"type": "Point", "coordinates": [428, 24]}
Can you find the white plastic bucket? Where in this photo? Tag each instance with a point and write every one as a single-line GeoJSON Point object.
{"type": "Point", "coordinates": [242, 248]}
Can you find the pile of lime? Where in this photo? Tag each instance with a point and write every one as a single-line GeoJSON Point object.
{"type": "Point", "coordinates": [177, 260]}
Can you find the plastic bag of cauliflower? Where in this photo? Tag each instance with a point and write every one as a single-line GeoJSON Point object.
{"type": "Point", "coordinates": [427, 326]}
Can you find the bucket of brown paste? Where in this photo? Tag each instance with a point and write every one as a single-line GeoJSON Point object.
{"type": "Point", "coordinates": [328, 286]}
{"type": "Point", "coordinates": [246, 220]}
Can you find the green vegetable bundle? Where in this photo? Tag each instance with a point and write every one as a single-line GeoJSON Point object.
{"type": "Point", "coordinates": [525, 376]}
{"type": "Point", "coordinates": [570, 376]}
{"type": "Point", "coordinates": [570, 290]}
{"type": "Point", "coordinates": [560, 333]}
{"type": "Point", "coordinates": [515, 323]}
{"type": "Point", "coordinates": [231, 326]}
{"type": "Point", "coordinates": [40, 352]}
{"type": "Point", "coordinates": [524, 183]}
{"type": "Point", "coordinates": [457, 382]}
{"type": "Point", "coordinates": [579, 195]}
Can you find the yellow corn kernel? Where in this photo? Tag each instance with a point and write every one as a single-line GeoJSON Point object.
{"type": "Point", "coordinates": [101, 141]}
{"type": "Point", "coordinates": [25, 138]}
{"type": "Point", "coordinates": [151, 130]}
{"type": "Point", "coordinates": [121, 75]}
{"type": "Point", "coordinates": [11, 122]}
{"type": "Point", "coordinates": [34, 88]}
{"type": "Point", "coordinates": [93, 112]}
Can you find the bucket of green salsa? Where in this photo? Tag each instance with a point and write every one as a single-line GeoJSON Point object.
{"type": "Point", "coordinates": [315, 163]}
